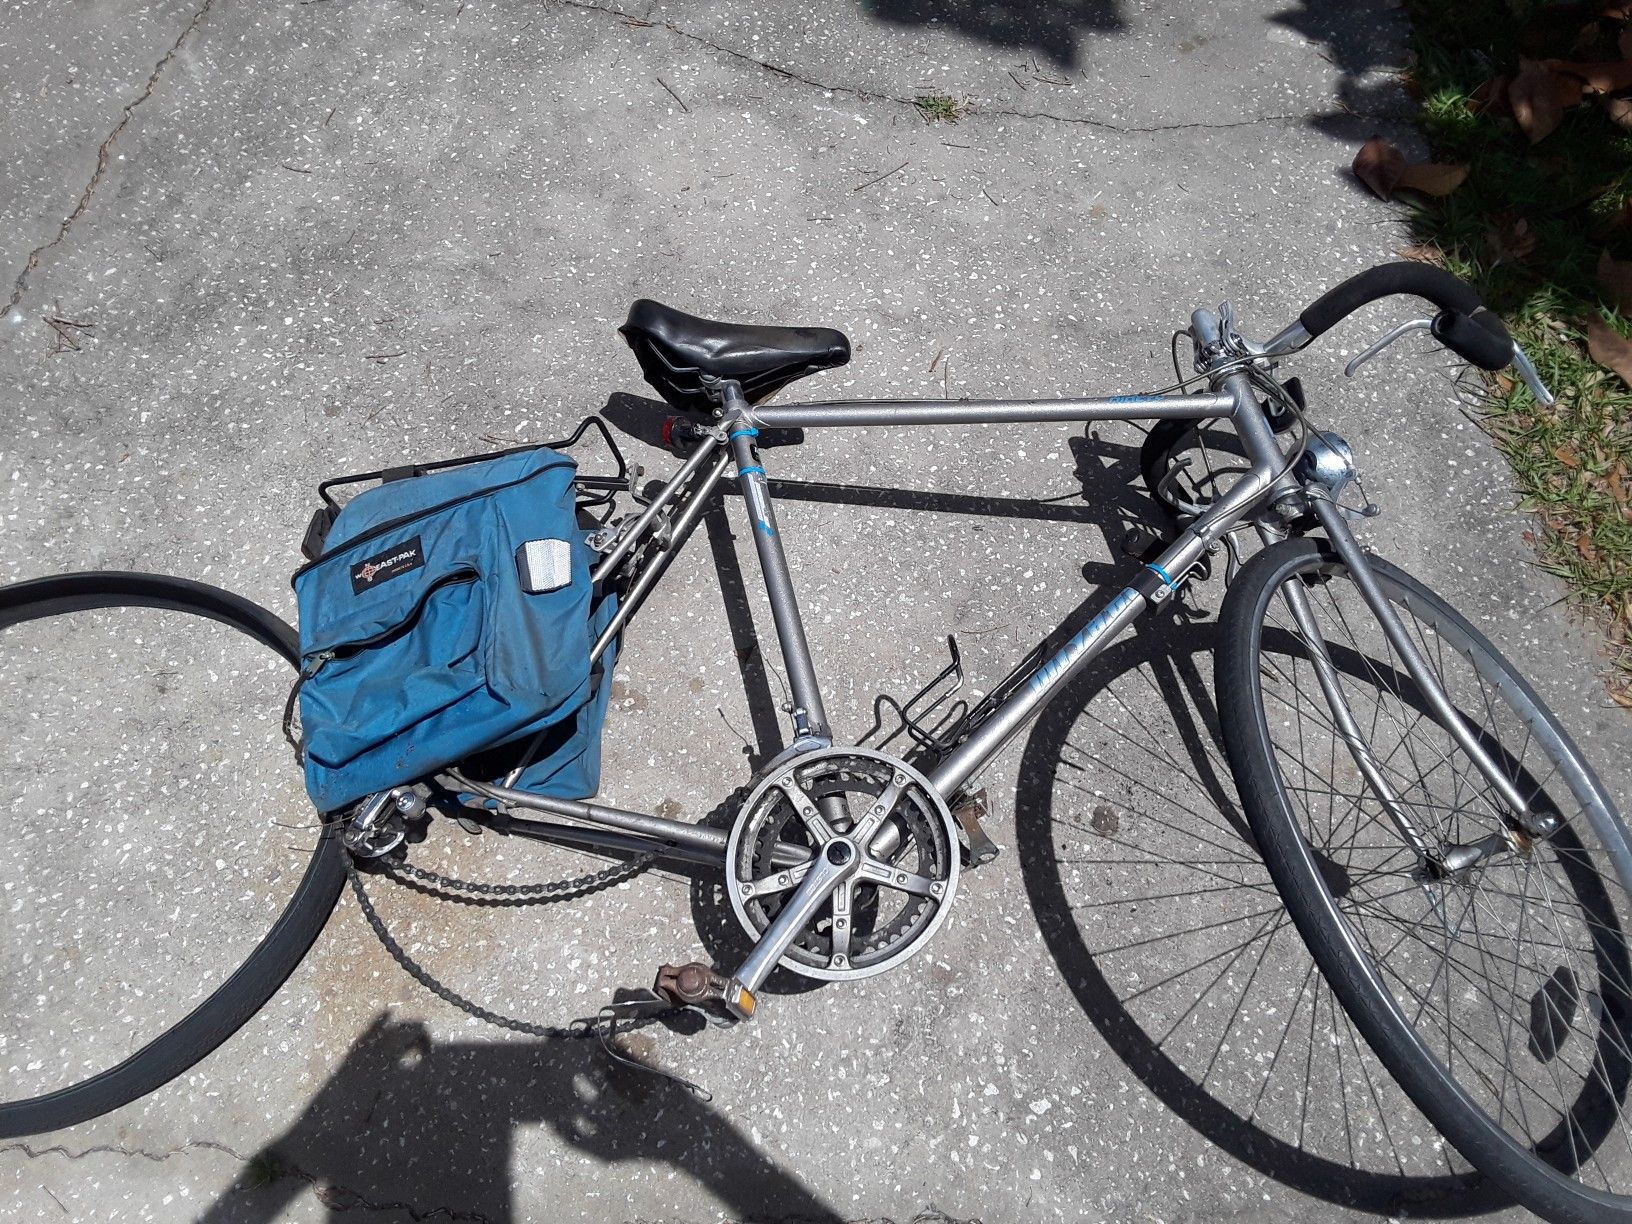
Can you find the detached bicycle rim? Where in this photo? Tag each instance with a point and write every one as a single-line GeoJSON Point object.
{"type": "Point", "coordinates": [1337, 949]}
{"type": "Point", "coordinates": [292, 934]}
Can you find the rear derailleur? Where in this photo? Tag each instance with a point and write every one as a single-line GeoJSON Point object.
{"type": "Point", "coordinates": [379, 824]}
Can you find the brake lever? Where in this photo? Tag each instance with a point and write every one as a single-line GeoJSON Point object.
{"type": "Point", "coordinates": [1521, 360]}
{"type": "Point", "coordinates": [1527, 371]}
{"type": "Point", "coordinates": [1387, 339]}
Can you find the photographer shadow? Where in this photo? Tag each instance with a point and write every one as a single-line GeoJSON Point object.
{"type": "Point", "coordinates": [427, 1129]}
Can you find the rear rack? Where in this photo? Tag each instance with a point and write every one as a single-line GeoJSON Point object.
{"type": "Point", "coordinates": [594, 491]}
{"type": "Point", "coordinates": [597, 490]}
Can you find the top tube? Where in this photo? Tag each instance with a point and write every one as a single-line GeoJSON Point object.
{"type": "Point", "coordinates": [992, 412]}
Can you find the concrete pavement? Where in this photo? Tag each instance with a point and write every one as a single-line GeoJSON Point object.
{"type": "Point", "coordinates": [249, 246]}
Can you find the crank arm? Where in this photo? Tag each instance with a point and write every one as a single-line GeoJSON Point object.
{"type": "Point", "coordinates": [837, 862]}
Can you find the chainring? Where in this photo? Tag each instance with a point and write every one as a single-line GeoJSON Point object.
{"type": "Point", "coordinates": [887, 923]}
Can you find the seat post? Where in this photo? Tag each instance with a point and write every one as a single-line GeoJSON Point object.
{"type": "Point", "coordinates": [809, 716]}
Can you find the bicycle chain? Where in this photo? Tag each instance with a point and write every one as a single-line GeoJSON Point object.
{"type": "Point", "coordinates": [538, 893]}
{"type": "Point", "coordinates": [605, 1024]}
{"type": "Point", "coordinates": [450, 887]}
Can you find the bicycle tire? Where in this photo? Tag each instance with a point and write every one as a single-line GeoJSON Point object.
{"type": "Point", "coordinates": [1524, 1172]}
{"type": "Point", "coordinates": [231, 1005]}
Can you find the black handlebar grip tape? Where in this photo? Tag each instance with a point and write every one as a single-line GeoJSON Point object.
{"type": "Point", "coordinates": [1480, 338]}
{"type": "Point", "coordinates": [1438, 286]}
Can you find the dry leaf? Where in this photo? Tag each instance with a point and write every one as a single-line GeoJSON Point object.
{"type": "Point", "coordinates": [1619, 111]}
{"type": "Point", "coordinates": [1423, 254]}
{"type": "Point", "coordinates": [1511, 237]}
{"type": "Point", "coordinates": [1567, 457]}
{"type": "Point", "coordinates": [1596, 78]}
{"type": "Point", "coordinates": [1383, 168]}
{"type": "Point", "coordinates": [1610, 349]}
{"type": "Point", "coordinates": [1587, 549]}
{"type": "Point", "coordinates": [1567, 85]}
{"type": "Point", "coordinates": [1432, 178]}
{"type": "Point", "coordinates": [1536, 100]}
{"type": "Point", "coordinates": [1378, 166]}
{"type": "Point", "coordinates": [1616, 480]}
{"type": "Point", "coordinates": [1491, 96]}
{"type": "Point", "coordinates": [1615, 278]}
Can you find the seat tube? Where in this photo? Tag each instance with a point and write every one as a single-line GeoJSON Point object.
{"type": "Point", "coordinates": [809, 716]}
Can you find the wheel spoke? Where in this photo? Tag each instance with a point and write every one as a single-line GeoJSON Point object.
{"type": "Point", "coordinates": [1514, 975]}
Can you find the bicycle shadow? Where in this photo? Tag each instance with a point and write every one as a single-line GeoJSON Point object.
{"type": "Point", "coordinates": [1170, 658]}
{"type": "Point", "coordinates": [427, 1128]}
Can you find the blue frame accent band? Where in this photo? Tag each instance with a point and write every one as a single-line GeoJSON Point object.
{"type": "Point", "coordinates": [749, 471]}
{"type": "Point", "coordinates": [1162, 574]}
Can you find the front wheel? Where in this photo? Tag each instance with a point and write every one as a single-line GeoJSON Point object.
{"type": "Point", "coordinates": [1499, 995]}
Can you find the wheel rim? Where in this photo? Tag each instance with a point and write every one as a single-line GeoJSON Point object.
{"type": "Point", "coordinates": [1512, 977]}
{"type": "Point", "coordinates": [84, 875]}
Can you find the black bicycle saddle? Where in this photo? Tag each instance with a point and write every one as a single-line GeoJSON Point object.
{"type": "Point", "coordinates": [677, 350]}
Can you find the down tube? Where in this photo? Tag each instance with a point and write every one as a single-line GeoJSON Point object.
{"type": "Point", "coordinates": [991, 736]}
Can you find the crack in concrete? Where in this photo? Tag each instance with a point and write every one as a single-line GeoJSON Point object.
{"type": "Point", "coordinates": [103, 152]}
{"type": "Point", "coordinates": [874, 95]}
{"type": "Point", "coordinates": [335, 1197]}
{"type": "Point", "coordinates": [118, 1149]}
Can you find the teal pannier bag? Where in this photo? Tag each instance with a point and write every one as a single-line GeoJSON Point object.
{"type": "Point", "coordinates": [448, 614]}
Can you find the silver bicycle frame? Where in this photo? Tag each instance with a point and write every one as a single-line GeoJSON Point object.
{"type": "Point", "coordinates": [1267, 480]}
{"type": "Point", "coordinates": [733, 442]}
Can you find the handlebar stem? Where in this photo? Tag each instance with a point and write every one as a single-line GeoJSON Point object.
{"type": "Point", "coordinates": [1207, 330]}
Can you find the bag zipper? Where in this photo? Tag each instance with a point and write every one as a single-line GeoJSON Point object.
{"type": "Point", "coordinates": [320, 659]}
{"type": "Point", "coordinates": [380, 529]}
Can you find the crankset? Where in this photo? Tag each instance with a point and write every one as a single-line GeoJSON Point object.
{"type": "Point", "coordinates": [879, 879]}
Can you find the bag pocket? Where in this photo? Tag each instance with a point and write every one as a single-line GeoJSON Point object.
{"type": "Point", "coordinates": [392, 663]}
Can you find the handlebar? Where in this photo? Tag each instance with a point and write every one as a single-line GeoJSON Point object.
{"type": "Point", "coordinates": [1462, 325]}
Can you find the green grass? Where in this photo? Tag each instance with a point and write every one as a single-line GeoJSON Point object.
{"type": "Point", "coordinates": [1571, 192]}
{"type": "Point", "coordinates": [938, 108]}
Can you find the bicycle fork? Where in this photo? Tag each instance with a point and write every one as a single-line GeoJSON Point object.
{"type": "Point", "coordinates": [1441, 860]}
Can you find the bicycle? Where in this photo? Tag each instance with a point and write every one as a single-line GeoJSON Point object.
{"type": "Point", "coordinates": [1396, 770]}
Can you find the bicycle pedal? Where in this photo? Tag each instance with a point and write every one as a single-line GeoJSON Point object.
{"type": "Point", "coordinates": [698, 985]}
{"type": "Point", "coordinates": [968, 811]}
